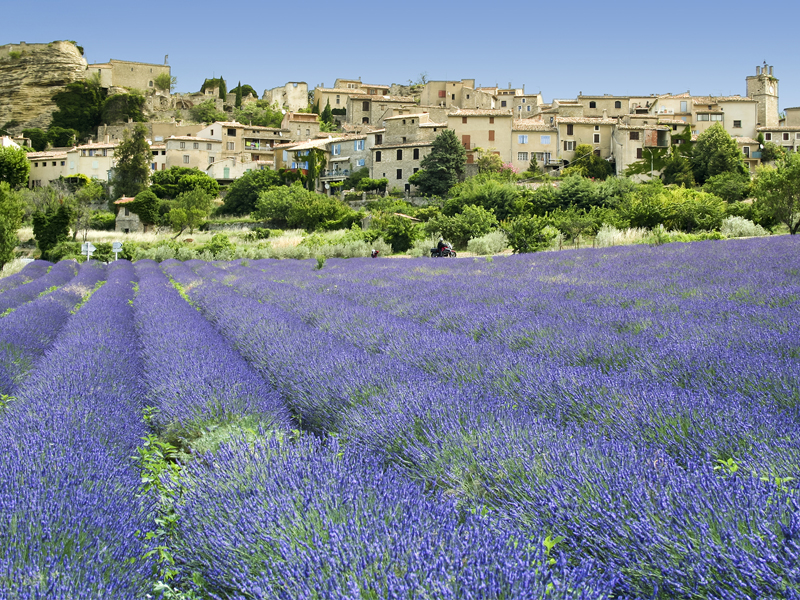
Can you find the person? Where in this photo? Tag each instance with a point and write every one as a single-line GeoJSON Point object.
{"type": "Point", "coordinates": [441, 244]}
{"type": "Point", "coordinates": [374, 253]}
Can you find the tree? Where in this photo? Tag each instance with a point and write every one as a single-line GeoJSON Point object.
{"type": "Point", "coordinates": [588, 164]}
{"type": "Point", "coordinates": [678, 171]}
{"type": "Point", "coordinates": [11, 213]}
{"type": "Point", "coordinates": [14, 166]}
{"type": "Point", "coordinates": [327, 114]}
{"type": "Point", "coordinates": [223, 92]}
{"type": "Point", "coordinates": [489, 161]}
{"type": "Point", "coordinates": [120, 108]}
{"type": "Point", "coordinates": [132, 171]}
{"type": "Point", "coordinates": [60, 137]}
{"type": "Point", "coordinates": [206, 112]}
{"type": "Point", "coordinates": [442, 168]}
{"type": "Point", "coordinates": [489, 191]}
{"type": "Point", "coordinates": [777, 190]}
{"type": "Point", "coordinates": [80, 106]}
{"type": "Point", "coordinates": [145, 205]}
{"type": "Point", "coordinates": [84, 198]}
{"type": "Point", "coordinates": [260, 112]}
{"type": "Point", "coordinates": [731, 187]}
{"type": "Point", "coordinates": [190, 209]}
{"type": "Point", "coordinates": [169, 183]}
{"type": "Point", "coordinates": [51, 227]}
{"type": "Point", "coordinates": [38, 138]}
{"type": "Point", "coordinates": [165, 82]}
{"type": "Point", "coordinates": [238, 102]}
{"type": "Point", "coordinates": [528, 233]}
{"type": "Point", "coordinates": [244, 192]}
{"type": "Point", "coordinates": [246, 89]}
{"type": "Point", "coordinates": [716, 152]}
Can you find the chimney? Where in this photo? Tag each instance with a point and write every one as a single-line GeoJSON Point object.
{"type": "Point", "coordinates": [108, 138]}
{"type": "Point", "coordinates": [770, 71]}
{"type": "Point", "coordinates": [758, 70]}
{"type": "Point", "coordinates": [605, 113]}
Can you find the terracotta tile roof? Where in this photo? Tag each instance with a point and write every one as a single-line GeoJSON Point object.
{"type": "Point", "coordinates": [382, 98]}
{"type": "Point", "coordinates": [715, 99]}
{"type": "Point", "coordinates": [444, 125]}
{"type": "Point", "coordinates": [45, 155]}
{"type": "Point", "coordinates": [307, 145]}
{"type": "Point", "coordinates": [124, 200]}
{"type": "Point", "coordinates": [641, 127]}
{"type": "Point", "coordinates": [745, 140]}
{"type": "Point", "coordinates": [586, 120]}
{"type": "Point", "coordinates": [683, 95]}
{"type": "Point", "coordinates": [97, 145]}
{"type": "Point", "coordinates": [191, 138]}
{"type": "Point", "coordinates": [673, 122]}
{"type": "Point", "coordinates": [375, 85]}
{"type": "Point", "coordinates": [338, 90]}
{"type": "Point", "coordinates": [404, 116]}
{"type": "Point", "coordinates": [234, 124]}
{"type": "Point", "coordinates": [405, 145]}
{"type": "Point", "coordinates": [481, 112]}
{"type": "Point", "coordinates": [531, 125]}
{"type": "Point", "coordinates": [779, 128]}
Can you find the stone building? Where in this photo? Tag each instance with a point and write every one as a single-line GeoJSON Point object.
{"type": "Point", "coordinates": [126, 221]}
{"type": "Point", "coordinates": [533, 138]}
{"type": "Point", "coordinates": [763, 88]}
{"type": "Point", "coordinates": [487, 129]}
{"type": "Point", "coordinates": [292, 96]}
{"type": "Point", "coordinates": [128, 74]}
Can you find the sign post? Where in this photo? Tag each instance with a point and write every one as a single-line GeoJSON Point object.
{"type": "Point", "coordinates": [88, 248]}
{"type": "Point", "coordinates": [116, 247]}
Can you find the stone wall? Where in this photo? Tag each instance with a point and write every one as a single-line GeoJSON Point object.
{"type": "Point", "coordinates": [29, 76]}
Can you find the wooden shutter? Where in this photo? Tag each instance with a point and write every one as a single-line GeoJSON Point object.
{"type": "Point", "coordinates": [465, 141]}
{"type": "Point", "coordinates": [491, 135]}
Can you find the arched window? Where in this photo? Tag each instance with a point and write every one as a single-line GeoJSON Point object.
{"type": "Point", "coordinates": [592, 104]}
{"type": "Point", "coordinates": [617, 104]}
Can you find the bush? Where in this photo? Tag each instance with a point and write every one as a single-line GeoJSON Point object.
{"type": "Point", "coordinates": [529, 234]}
{"type": "Point", "coordinates": [735, 227]}
{"type": "Point", "coordinates": [219, 245]}
{"type": "Point", "coordinates": [608, 235]}
{"type": "Point", "coordinates": [491, 243]}
{"type": "Point", "coordinates": [731, 187]}
{"type": "Point", "coordinates": [102, 221]}
{"type": "Point", "coordinates": [474, 221]}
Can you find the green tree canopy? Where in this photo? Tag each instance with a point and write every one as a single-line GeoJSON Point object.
{"type": "Point", "coordinates": [11, 213]}
{"type": "Point", "coordinates": [243, 192]}
{"type": "Point", "coordinates": [238, 102]}
{"type": "Point", "coordinates": [442, 168]}
{"type": "Point", "coordinates": [38, 138]}
{"type": "Point", "coordinates": [260, 112]}
{"type": "Point", "coordinates": [169, 183]}
{"type": "Point", "coordinates": [528, 233]}
{"type": "Point", "coordinates": [588, 164]}
{"type": "Point", "coordinates": [132, 171]}
{"type": "Point", "coordinates": [119, 108]}
{"type": "Point", "coordinates": [777, 190]}
{"type": "Point", "coordinates": [731, 187]}
{"type": "Point", "coordinates": [145, 205]}
{"type": "Point", "coordinates": [245, 89]}
{"type": "Point", "coordinates": [293, 206]}
{"type": "Point", "coordinates": [716, 152]}
{"type": "Point", "coordinates": [51, 227]}
{"type": "Point", "coordinates": [678, 171]}
{"type": "Point", "coordinates": [206, 112]}
{"type": "Point", "coordinates": [490, 191]}
{"type": "Point", "coordinates": [80, 106]}
{"type": "Point", "coordinates": [60, 137]}
{"type": "Point", "coordinates": [190, 209]}
{"type": "Point", "coordinates": [14, 166]}
{"type": "Point", "coordinates": [327, 114]}
{"type": "Point", "coordinates": [165, 82]}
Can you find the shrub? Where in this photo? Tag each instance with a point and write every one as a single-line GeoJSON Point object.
{"type": "Point", "coordinates": [529, 234]}
{"type": "Point", "coordinates": [735, 227]}
{"type": "Point", "coordinates": [491, 243]}
{"type": "Point", "coordinates": [608, 235]}
{"type": "Point", "coordinates": [102, 221]}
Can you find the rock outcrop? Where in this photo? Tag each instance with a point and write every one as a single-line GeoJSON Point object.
{"type": "Point", "coordinates": [29, 76]}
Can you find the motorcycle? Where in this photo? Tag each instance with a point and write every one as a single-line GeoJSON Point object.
{"type": "Point", "coordinates": [444, 251]}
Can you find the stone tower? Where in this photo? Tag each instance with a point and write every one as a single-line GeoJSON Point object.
{"type": "Point", "coordinates": [763, 87]}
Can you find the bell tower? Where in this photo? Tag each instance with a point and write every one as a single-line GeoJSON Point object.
{"type": "Point", "coordinates": [763, 88]}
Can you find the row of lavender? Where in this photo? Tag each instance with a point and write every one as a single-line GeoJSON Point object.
{"type": "Point", "coordinates": [640, 403]}
{"type": "Point", "coordinates": [269, 515]}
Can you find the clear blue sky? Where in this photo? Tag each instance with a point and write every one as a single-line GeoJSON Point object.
{"type": "Point", "coordinates": [559, 49]}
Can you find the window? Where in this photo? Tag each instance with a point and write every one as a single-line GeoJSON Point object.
{"type": "Point", "coordinates": [597, 127]}
{"type": "Point", "coordinates": [491, 119]}
{"type": "Point", "coordinates": [569, 146]}
{"type": "Point", "coordinates": [54, 163]}
{"type": "Point", "coordinates": [63, 162]}
{"type": "Point", "coordinates": [231, 145]}
{"type": "Point", "coordinates": [416, 153]}
{"type": "Point", "coordinates": [633, 135]}
{"type": "Point", "coordinates": [746, 151]}
{"type": "Point", "coordinates": [182, 145]}
{"type": "Point", "coordinates": [152, 166]}
{"type": "Point", "coordinates": [285, 156]}
{"type": "Point", "coordinates": [399, 173]}
{"type": "Point", "coordinates": [196, 146]}
{"type": "Point", "coordinates": [378, 156]}
{"type": "Point", "coordinates": [796, 136]}
{"type": "Point", "coordinates": [596, 138]}
{"type": "Point", "coordinates": [35, 164]}
{"type": "Point", "coordinates": [453, 97]}
{"type": "Point", "coordinates": [186, 159]}
{"type": "Point", "coordinates": [308, 133]}
{"type": "Point", "coordinates": [528, 108]}
{"type": "Point", "coordinates": [155, 152]}
{"type": "Point", "coordinates": [702, 117]}
{"type": "Point", "coordinates": [358, 145]}
{"type": "Point", "coordinates": [767, 137]}
{"type": "Point", "coordinates": [523, 100]}
{"type": "Point", "coordinates": [365, 105]}
{"type": "Point", "coordinates": [378, 139]}
{"type": "Point", "coordinates": [522, 156]}
{"type": "Point", "coordinates": [150, 84]}
{"type": "Point", "coordinates": [684, 106]}
{"type": "Point", "coordinates": [522, 139]}
{"type": "Point", "coordinates": [544, 139]}
{"type": "Point", "coordinates": [570, 129]}
{"type": "Point", "coordinates": [210, 159]}
{"type": "Point", "coordinates": [638, 153]}
{"type": "Point", "coordinates": [441, 93]}
{"type": "Point", "coordinates": [399, 155]}
{"type": "Point", "coordinates": [336, 149]}
{"type": "Point", "coordinates": [491, 135]}
{"type": "Point", "coordinates": [360, 162]}
{"type": "Point", "coordinates": [617, 104]}
{"type": "Point", "coordinates": [592, 104]}
{"type": "Point", "coordinates": [737, 124]}
{"type": "Point", "coordinates": [716, 117]}
{"type": "Point", "coordinates": [232, 132]}
{"type": "Point", "coordinates": [95, 164]}
{"type": "Point", "coordinates": [337, 99]}
{"type": "Point", "coordinates": [463, 119]}
{"type": "Point", "coordinates": [502, 103]}
{"type": "Point", "coordinates": [208, 146]}
{"type": "Point", "coordinates": [785, 137]}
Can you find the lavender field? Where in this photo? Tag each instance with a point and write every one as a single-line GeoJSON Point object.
{"type": "Point", "coordinates": [589, 424]}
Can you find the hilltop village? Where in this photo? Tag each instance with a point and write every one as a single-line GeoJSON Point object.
{"type": "Point", "coordinates": [390, 128]}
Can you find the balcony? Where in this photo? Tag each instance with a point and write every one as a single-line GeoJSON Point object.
{"type": "Point", "coordinates": [258, 146]}
{"type": "Point", "coordinates": [756, 154]}
{"type": "Point", "coordinates": [335, 174]}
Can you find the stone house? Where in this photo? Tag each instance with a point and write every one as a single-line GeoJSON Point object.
{"type": "Point", "coordinates": [635, 142]}
{"type": "Point", "coordinates": [364, 109]}
{"type": "Point", "coordinates": [735, 113]}
{"type": "Point", "coordinates": [127, 74]}
{"type": "Point", "coordinates": [751, 150]}
{"type": "Point", "coordinates": [293, 96]}
{"type": "Point", "coordinates": [46, 167]}
{"type": "Point", "coordinates": [300, 126]}
{"type": "Point", "coordinates": [605, 106]}
{"type": "Point", "coordinates": [397, 162]}
{"type": "Point", "coordinates": [533, 138]}
{"type": "Point", "coordinates": [244, 143]}
{"type": "Point", "coordinates": [574, 131]}
{"type": "Point", "coordinates": [191, 152]}
{"type": "Point", "coordinates": [158, 160]}
{"type": "Point", "coordinates": [449, 94]}
{"type": "Point", "coordinates": [786, 136]}
{"type": "Point", "coordinates": [126, 221]}
{"type": "Point", "coordinates": [487, 129]}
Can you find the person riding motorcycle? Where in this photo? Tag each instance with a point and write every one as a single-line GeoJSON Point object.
{"type": "Point", "coordinates": [441, 244]}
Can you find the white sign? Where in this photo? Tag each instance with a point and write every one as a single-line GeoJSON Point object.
{"type": "Point", "coordinates": [88, 247]}
{"type": "Point", "coordinates": [116, 247]}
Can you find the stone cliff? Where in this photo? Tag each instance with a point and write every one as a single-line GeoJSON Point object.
{"type": "Point", "coordinates": [29, 76]}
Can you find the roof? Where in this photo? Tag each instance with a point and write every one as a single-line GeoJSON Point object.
{"type": "Point", "coordinates": [243, 126]}
{"type": "Point", "coordinates": [404, 116]}
{"type": "Point", "coordinates": [382, 98]}
{"type": "Point", "coordinates": [745, 140]}
{"type": "Point", "coordinates": [304, 117]}
{"type": "Point", "coordinates": [45, 155]}
{"type": "Point", "coordinates": [779, 128]}
{"type": "Point", "coordinates": [716, 99]}
{"type": "Point", "coordinates": [481, 112]}
{"type": "Point", "coordinates": [433, 124]}
{"type": "Point", "coordinates": [643, 127]}
{"type": "Point", "coordinates": [124, 200]}
{"type": "Point", "coordinates": [531, 125]}
{"type": "Point", "coordinates": [338, 90]}
{"type": "Point", "coordinates": [309, 144]}
{"type": "Point", "coordinates": [97, 145]}
{"type": "Point", "coordinates": [406, 145]}
{"type": "Point", "coordinates": [586, 120]}
{"type": "Point", "coordinates": [190, 138]}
